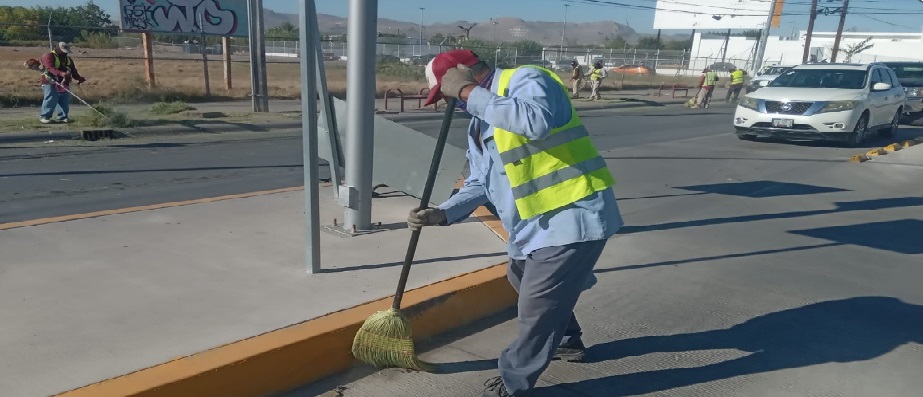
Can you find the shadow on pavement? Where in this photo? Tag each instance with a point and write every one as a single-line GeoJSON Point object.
{"type": "Point", "coordinates": [838, 331]}
{"type": "Point", "coordinates": [773, 159]}
{"type": "Point", "coordinates": [865, 205]}
{"type": "Point", "coordinates": [714, 258]}
{"type": "Point", "coordinates": [415, 262]}
{"type": "Point", "coordinates": [762, 189]}
{"type": "Point", "coordinates": [901, 236]}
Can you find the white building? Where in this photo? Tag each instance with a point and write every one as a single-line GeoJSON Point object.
{"type": "Point", "coordinates": [789, 50]}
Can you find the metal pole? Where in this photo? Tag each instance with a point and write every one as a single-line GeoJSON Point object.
{"type": "Point", "coordinates": [336, 154]}
{"type": "Point", "coordinates": [807, 37]}
{"type": "Point", "coordinates": [764, 39]}
{"type": "Point", "coordinates": [839, 31]}
{"type": "Point", "coordinates": [254, 60]}
{"type": "Point", "coordinates": [261, 53]}
{"type": "Point", "coordinates": [204, 49]}
{"type": "Point", "coordinates": [360, 105]}
{"type": "Point", "coordinates": [307, 28]}
{"type": "Point", "coordinates": [563, 28]}
{"type": "Point", "coordinates": [421, 30]}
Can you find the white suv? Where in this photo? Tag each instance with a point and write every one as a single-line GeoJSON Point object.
{"type": "Point", "coordinates": [839, 102]}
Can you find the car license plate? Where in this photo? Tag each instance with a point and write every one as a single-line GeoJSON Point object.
{"type": "Point", "coordinates": [782, 123]}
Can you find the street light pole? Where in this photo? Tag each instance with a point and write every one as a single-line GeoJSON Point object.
{"type": "Point", "coordinates": [563, 29]}
{"type": "Point", "coordinates": [421, 30]}
{"type": "Point", "coordinates": [839, 32]}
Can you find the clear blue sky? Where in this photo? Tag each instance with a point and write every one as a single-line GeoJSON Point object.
{"type": "Point", "coordinates": [865, 15]}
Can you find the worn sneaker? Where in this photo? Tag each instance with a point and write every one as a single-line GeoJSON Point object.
{"type": "Point", "coordinates": [44, 120]}
{"type": "Point", "coordinates": [495, 388]}
{"type": "Point", "coordinates": [571, 352]}
{"type": "Point", "coordinates": [64, 120]}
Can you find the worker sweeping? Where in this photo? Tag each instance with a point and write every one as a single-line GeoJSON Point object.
{"type": "Point", "coordinates": [59, 70]}
{"type": "Point", "coordinates": [596, 76]}
{"type": "Point", "coordinates": [706, 86]}
{"type": "Point", "coordinates": [532, 158]}
{"type": "Point", "coordinates": [737, 83]}
{"type": "Point", "coordinates": [576, 79]}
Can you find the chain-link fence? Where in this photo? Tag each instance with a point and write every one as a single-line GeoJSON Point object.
{"type": "Point", "coordinates": [189, 66]}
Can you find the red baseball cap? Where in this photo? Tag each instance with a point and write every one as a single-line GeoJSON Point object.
{"type": "Point", "coordinates": [441, 63]}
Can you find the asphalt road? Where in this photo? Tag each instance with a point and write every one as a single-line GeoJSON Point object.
{"type": "Point", "coordinates": [63, 178]}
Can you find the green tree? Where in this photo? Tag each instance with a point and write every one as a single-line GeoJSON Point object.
{"type": "Point", "coordinates": [648, 43]}
{"type": "Point", "coordinates": [528, 47]}
{"type": "Point", "coordinates": [285, 31]}
{"type": "Point", "coordinates": [617, 43]}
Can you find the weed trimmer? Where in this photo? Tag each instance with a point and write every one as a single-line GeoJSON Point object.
{"type": "Point", "coordinates": [385, 339]}
{"type": "Point", "coordinates": [33, 64]}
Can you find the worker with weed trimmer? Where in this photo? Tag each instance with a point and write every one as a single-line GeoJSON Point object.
{"type": "Point", "coordinates": [59, 70]}
{"type": "Point", "coordinates": [531, 157]}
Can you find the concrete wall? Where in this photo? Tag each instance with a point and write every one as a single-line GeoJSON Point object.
{"type": "Point", "coordinates": [789, 50]}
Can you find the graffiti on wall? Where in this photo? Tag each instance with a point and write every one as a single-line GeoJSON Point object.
{"type": "Point", "coordinates": [215, 17]}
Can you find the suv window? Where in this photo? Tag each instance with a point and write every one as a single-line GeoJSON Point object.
{"type": "Point", "coordinates": [822, 78]}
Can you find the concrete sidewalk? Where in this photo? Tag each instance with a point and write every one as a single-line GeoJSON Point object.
{"type": "Point", "coordinates": [90, 299]}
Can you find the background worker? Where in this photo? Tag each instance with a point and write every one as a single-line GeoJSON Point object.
{"type": "Point", "coordinates": [737, 83]}
{"type": "Point", "coordinates": [59, 71]}
{"type": "Point", "coordinates": [559, 209]}
{"type": "Point", "coordinates": [576, 78]}
{"type": "Point", "coordinates": [596, 76]}
{"type": "Point", "coordinates": [706, 85]}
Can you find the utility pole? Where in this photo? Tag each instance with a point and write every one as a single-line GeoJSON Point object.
{"type": "Point", "coordinates": [839, 31]}
{"type": "Point", "coordinates": [421, 30]}
{"type": "Point", "coordinates": [307, 27]}
{"type": "Point", "coordinates": [563, 28]}
{"type": "Point", "coordinates": [724, 51]}
{"type": "Point", "coordinates": [764, 39]}
{"type": "Point", "coordinates": [807, 37]}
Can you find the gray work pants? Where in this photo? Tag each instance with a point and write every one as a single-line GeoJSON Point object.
{"type": "Point", "coordinates": [549, 282]}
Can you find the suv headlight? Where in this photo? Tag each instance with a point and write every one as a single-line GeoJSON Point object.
{"type": "Point", "coordinates": [838, 106]}
{"type": "Point", "coordinates": [915, 91]}
{"type": "Point", "coordinates": [748, 103]}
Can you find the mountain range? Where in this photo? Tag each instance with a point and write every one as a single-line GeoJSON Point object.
{"type": "Point", "coordinates": [499, 29]}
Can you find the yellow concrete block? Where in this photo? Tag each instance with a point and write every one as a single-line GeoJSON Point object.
{"type": "Point", "coordinates": [908, 144]}
{"type": "Point", "coordinates": [876, 152]}
{"type": "Point", "coordinates": [893, 147]}
{"type": "Point", "coordinates": [859, 158]}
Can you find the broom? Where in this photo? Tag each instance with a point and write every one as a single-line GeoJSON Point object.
{"type": "Point", "coordinates": [385, 339]}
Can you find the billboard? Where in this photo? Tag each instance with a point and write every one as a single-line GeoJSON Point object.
{"type": "Point", "coordinates": [219, 17]}
{"type": "Point", "coordinates": [716, 14]}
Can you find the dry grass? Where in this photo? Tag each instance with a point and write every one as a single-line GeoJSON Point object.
{"type": "Point", "coordinates": [123, 80]}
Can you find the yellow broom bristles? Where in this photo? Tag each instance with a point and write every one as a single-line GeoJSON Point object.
{"type": "Point", "coordinates": [385, 341]}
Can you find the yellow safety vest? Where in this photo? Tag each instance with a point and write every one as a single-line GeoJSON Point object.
{"type": "Point", "coordinates": [737, 77]}
{"type": "Point", "coordinates": [57, 61]}
{"type": "Point", "coordinates": [711, 78]}
{"type": "Point", "coordinates": [596, 74]}
{"type": "Point", "coordinates": [553, 172]}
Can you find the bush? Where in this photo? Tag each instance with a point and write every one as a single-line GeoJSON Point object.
{"type": "Point", "coordinates": [399, 70]}
{"type": "Point", "coordinates": [109, 118]}
{"type": "Point", "coordinates": [170, 107]}
{"type": "Point", "coordinates": [99, 41]}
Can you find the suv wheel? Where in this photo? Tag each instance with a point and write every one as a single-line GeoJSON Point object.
{"type": "Point", "coordinates": [891, 130]}
{"type": "Point", "coordinates": [858, 133]}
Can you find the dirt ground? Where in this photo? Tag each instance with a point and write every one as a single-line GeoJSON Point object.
{"type": "Point", "coordinates": [119, 75]}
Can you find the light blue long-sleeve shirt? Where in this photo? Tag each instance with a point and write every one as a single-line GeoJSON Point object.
{"type": "Point", "coordinates": [534, 105]}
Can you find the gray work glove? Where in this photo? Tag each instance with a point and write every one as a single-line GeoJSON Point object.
{"type": "Point", "coordinates": [425, 217]}
{"type": "Point", "coordinates": [455, 79]}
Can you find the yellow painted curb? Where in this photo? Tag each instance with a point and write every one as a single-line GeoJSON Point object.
{"type": "Point", "coordinates": [859, 158]}
{"type": "Point", "coordinates": [283, 359]}
{"type": "Point", "coordinates": [908, 144]}
{"type": "Point", "coordinates": [893, 147]}
{"type": "Point", "coordinates": [876, 152]}
{"type": "Point", "coordinates": [293, 356]}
